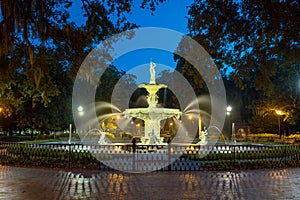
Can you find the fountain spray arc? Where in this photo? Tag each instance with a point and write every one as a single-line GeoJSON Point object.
{"type": "Point", "coordinates": [152, 115]}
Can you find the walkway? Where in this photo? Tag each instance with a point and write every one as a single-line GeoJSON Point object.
{"type": "Point", "coordinates": [24, 183]}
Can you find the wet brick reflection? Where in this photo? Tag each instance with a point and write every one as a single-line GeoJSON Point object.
{"type": "Point", "coordinates": [25, 183]}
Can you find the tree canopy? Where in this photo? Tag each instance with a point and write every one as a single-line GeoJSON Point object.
{"type": "Point", "coordinates": [43, 48]}
{"type": "Point", "coordinates": [253, 38]}
{"type": "Point", "coordinates": [255, 44]}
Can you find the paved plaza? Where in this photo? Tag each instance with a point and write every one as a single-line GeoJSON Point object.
{"type": "Point", "coordinates": [27, 183]}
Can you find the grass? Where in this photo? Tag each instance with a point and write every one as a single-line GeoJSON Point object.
{"type": "Point", "coordinates": [40, 141]}
{"type": "Point", "coordinates": [48, 140]}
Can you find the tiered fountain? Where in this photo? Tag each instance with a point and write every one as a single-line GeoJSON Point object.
{"type": "Point", "coordinates": [152, 115]}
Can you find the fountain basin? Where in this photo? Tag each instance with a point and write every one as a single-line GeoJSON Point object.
{"type": "Point", "coordinates": [152, 117]}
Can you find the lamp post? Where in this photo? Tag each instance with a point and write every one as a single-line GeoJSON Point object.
{"type": "Point", "coordinates": [228, 112]}
{"type": "Point", "coordinates": [279, 113]}
{"type": "Point", "coordinates": [0, 113]}
{"type": "Point", "coordinates": [70, 133]}
{"type": "Point", "coordinates": [80, 111]}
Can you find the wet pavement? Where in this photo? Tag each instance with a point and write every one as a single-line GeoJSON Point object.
{"type": "Point", "coordinates": [28, 183]}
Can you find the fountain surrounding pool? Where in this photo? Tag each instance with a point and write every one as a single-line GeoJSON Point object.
{"type": "Point", "coordinates": [152, 115]}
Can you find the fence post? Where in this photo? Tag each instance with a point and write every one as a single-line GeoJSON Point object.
{"type": "Point", "coordinates": [285, 156]}
{"type": "Point", "coordinates": [69, 155]}
{"type": "Point", "coordinates": [133, 155]}
{"type": "Point", "coordinates": [234, 160]}
{"type": "Point", "coordinates": [169, 155]}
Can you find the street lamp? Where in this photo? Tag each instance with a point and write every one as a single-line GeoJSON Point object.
{"type": "Point", "coordinates": [70, 133]}
{"type": "Point", "coordinates": [228, 112]}
{"type": "Point", "coordinates": [279, 113]}
{"type": "Point", "coordinates": [80, 111]}
{"type": "Point", "coordinates": [0, 112]}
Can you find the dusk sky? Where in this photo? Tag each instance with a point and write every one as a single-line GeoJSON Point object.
{"type": "Point", "coordinates": [171, 15]}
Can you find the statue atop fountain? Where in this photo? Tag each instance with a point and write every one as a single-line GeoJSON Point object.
{"type": "Point", "coordinates": [152, 72]}
{"type": "Point", "coordinates": [152, 115]}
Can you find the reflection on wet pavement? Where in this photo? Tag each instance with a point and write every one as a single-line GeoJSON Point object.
{"type": "Point", "coordinates": [28, 183]}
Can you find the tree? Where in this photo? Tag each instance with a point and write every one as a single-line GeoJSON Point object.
{"type": "Point", "coordinates": [40, 42]}
{"type": "Point", "coordinates": [259, 42]}
{"type": "Point", "coordinates": [166, 96]}
{"type": "Point", "coordinates": [30, 29]}
{"type": "Point", "coordinates": [247, 36]}
{"type": "Point", "coordinates": [108, 80]}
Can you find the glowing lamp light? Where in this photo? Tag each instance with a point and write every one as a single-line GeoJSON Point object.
{"type": "Point", "coordinates": [80, 111]}
{"type": "Point", "coordinates": [278, 112]}
{"type": "Point", "coordinates": [228, 110]}
{"type": "Point", "coordinates": [80, 108]}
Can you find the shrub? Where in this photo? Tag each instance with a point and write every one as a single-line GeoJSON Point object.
{"type": "Point", "coordinates": [294, 136]}
{"type": "Point", "coordinates": [25, 155]}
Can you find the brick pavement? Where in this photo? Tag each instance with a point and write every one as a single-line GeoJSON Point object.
{"type": "Point", "coordinates": [27, 183]}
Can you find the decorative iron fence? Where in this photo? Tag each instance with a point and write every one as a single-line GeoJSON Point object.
{"type": "Point", "coordinates": [132, 157]}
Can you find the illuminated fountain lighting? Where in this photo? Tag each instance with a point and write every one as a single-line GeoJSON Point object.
{"type": "Point", "coordinates": [152, 115]}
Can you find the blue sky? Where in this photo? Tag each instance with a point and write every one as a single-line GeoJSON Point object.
{"type": "Point", "coordinates": [171, 14]}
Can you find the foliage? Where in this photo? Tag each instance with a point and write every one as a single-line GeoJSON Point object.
{"type": "Point", "coordinates": [255, 45]}
{"type": "Point", "coordinates": [27, 156]}
{"type": "Point", "coordinates": [108, 80]}
{"type": "Point", "coordinates": [268, 135]}
{"type": "Point", "coordinates": [253, 38]}
{"type": "Point", "coordinates": [294, 136]}
{"type": "Point", "coordinates": [277, 157]}
{"type": "Point", "coordinates": [41, 51]}
{"type": "Point", "coordinates": [115, 87]}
